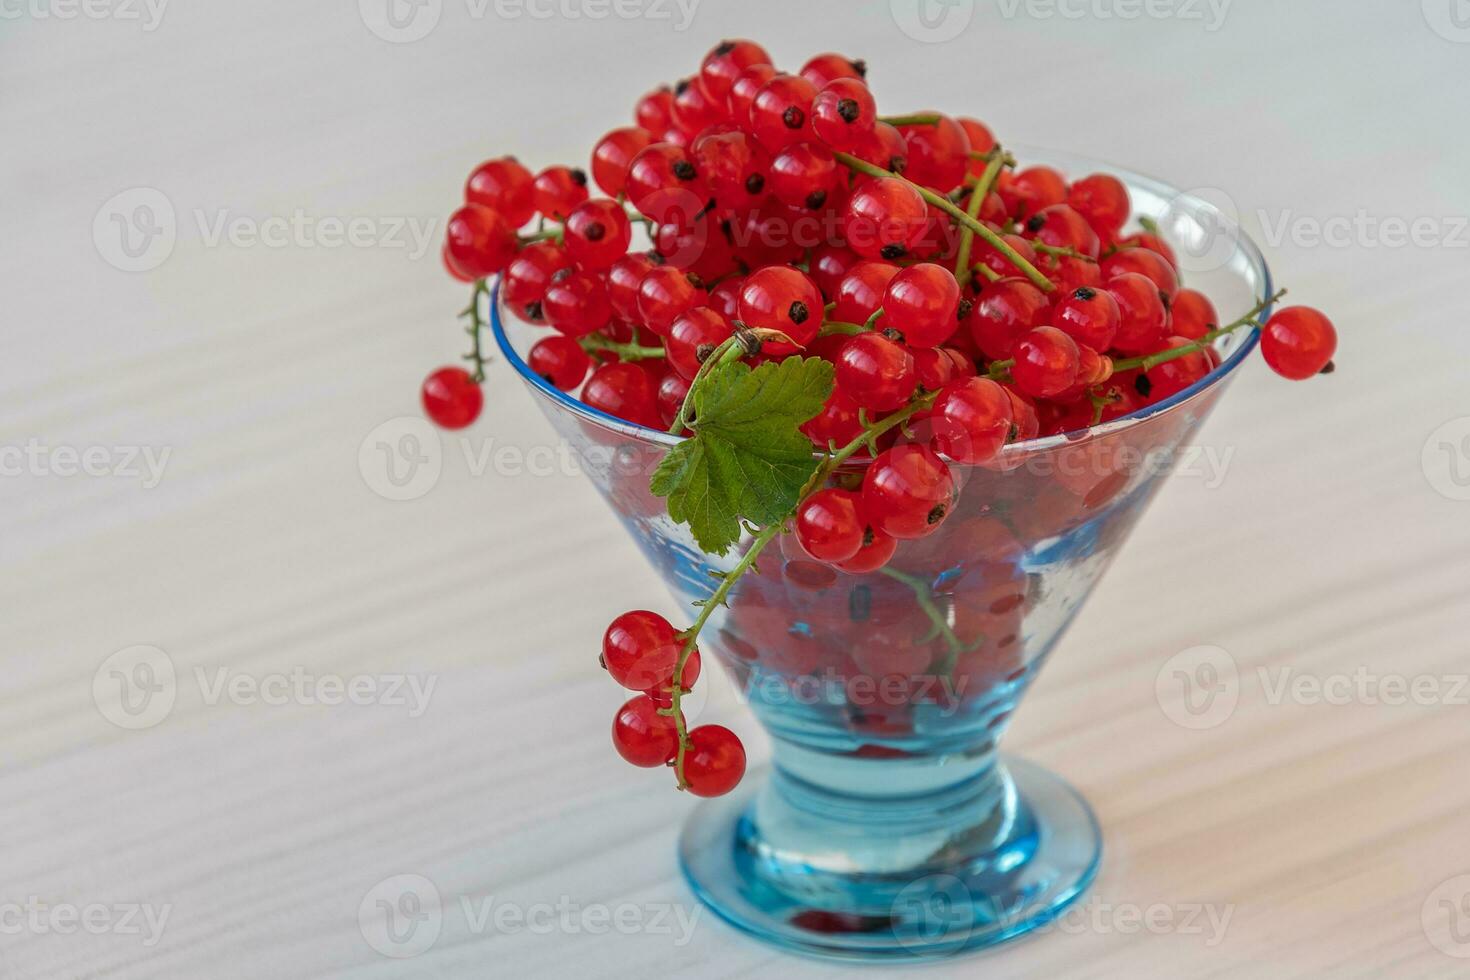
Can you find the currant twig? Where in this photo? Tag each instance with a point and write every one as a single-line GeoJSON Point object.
{"type": "Point", "coordinates": [1154, 360]}
{"type": "Point", "coordinates": [626, 352]}
{"type": "Point", "coordinates": [919, 119]}
{"type": "Point", "coordinates": [995, 160]}
{"type": "Point", "coordinates": [476, 355]}
{"type": "Point", "coordinates": [923, 595]}
{"type": "Point", "coordinates": [729, 350]}
{"type": "Point", "coordinates": [975, 225]}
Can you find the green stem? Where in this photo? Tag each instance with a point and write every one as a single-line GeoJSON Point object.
{"type": "Point", "coordinates": [1154, 360]}
{"type": "Point", "coordinates": [995, 160]}
{"type": "Point", "coordinates": [729, 350]}
{"type": "Point", "coordinates": [1062, 251]}
{"type": "Point", "coordinates": [626, 352]}
{"type": "Point", "coordinates": [975, 225]}
{"type": "Point", "coordinates": [918, 119]}
{"type": "Point", "coordinates": [924, 595]}
{"type": "Point", "coordinates": [476, 355]}
{"type": "Point", "coordinates": [541, 235]}
{"type": "Point", "coordinates": [839, 326]}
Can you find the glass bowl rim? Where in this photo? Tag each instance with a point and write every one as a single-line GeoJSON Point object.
{"type": "Point", "coordinates": [1224, 369]}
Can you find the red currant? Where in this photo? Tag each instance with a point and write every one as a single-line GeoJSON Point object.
{"type": "Point", "coordinates": [885, 218]}
{"type": "Point", "coordinates": [724, 64]}
{"type": "Point", "coordinates": [642, 736]}
{"type": "Point", "coordinates": [693, 329]}
{"type": "Point", "coordinates": [922, 303]}
{"type": "Point", "coordinates": [1192, 315]}
{"type": "Point", "coordinates": [971, 420]}
{"type": "Point", "coordinates": [824, 69]}
{"type": "Point", "coordinates": [480, 241]}
{"type": "Point", "coordinates": [1103, 201]}
{"type": "Point", "coordinates": [876, 373]}
{"type": "Point", "coordinates": [1142, 316]}
{"type": "Point", "coordinates": [829, 265]}
{"type": "Point", "coordinates": [663, 183]}
{"type": "Point", "coordinates": [803, 175]}
{"type": "Point", "coordinates": [450, 267]}
{"type": "Point", "coordinates": [714, 761]}
{"type": "Point", "coordinates": [938, 366]}
{"type": "Point", "coordinates": [1089, 316]}
{"type": "Point", "coordinates": [884, 147]}
{"type": "Point", "coordinates": [939, 154]}
{"type": "Point", "coordinates": [1030, 190]}
{"type": "Point", "coordinates": [623, 277]}
{"type": "Point", "coordinates": [672, 391]}
{"type": "Point", "coordinates": [597, 234]}
{"type": "Point", "coordinates": [505, 186]}
{"type": "Point", "coordinates": [451, 398]}
{"type": "Point", "coordinates": [781, 298]}
{"type": "Point", "coordinates": [844, 113]}
{"type": "Point", "coordinates": [625, 391]}
{"type": "Point", "coordinates": [560, 360]}
{"type": "Point", "coordinates": [527, 277]}
{"type": "Point", "coordinates": [781, 111]}
{"type": "Point", "coordinates": [725, 298]}
{"type": "Point", "coordinates": [557, 190]}
{"type": "Point", "coordinates": [985, 254]}
{"type": "Point", "coordinates": [734, 167]}
{"type": "Point", "coordinates": [696, 107]}
{"type": "Point", "coordinates": [1060, 226]}
{"type": "Point", "coordinates": [1172, 377]}
{"type": "Point", "coordinates": [613, 155]}
{"type": "Point", "coordinates": [829, 526]}
{"type": "Point", "coordinates": [1150, 241]}
{"type": "Point", "coordinates": [1298, 342]}
{"type": "Point", "coordinates": [640, 648]}
{"type": "Point", "coordinates": [982, 140]}
{"type": "Point", "coordinates": [907, 491]}
{"type": "Point", "coordinates": [837, 424]}
{"type": "Point", "coordinates": [876, 551]}
{"type": "Point", "coordinates": [743, 90]}
{"type": "Point", "coordinates": [576, 302]}
{"type": "Point", "coordinates": [1145, 263]}
{"type": "Point", "coordinates": [1046, 362]}
{"type": "Point", "coordinates": [861, 291]}
{"type": "Point", "coordinates": [1006, 310]}
{"type": "Point", "coordinates": [664, 293]}
{"type": "Point", "coordinates": [655, 111]}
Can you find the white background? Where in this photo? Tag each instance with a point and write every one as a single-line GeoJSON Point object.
{"type": "Point", "coordinates": [1334, 544]}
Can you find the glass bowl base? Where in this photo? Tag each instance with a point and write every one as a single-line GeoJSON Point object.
{"type": "Point", "coordinates": [956, 901]}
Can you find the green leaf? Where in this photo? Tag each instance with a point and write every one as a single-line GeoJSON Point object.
{"type": "Point", "coordinates": [748, 457]}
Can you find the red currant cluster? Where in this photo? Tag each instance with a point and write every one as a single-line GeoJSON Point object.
{"type": "Point", "coordinates": [963, 302]}
{"type": "Point", "coordinates": [641, 650]}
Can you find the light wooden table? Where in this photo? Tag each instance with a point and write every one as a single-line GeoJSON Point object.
{"type": "Point", "coordinates": [1323, 837]}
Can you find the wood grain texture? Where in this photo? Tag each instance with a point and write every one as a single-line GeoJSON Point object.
{"type": "Point", "coordinates": [1325, 831]}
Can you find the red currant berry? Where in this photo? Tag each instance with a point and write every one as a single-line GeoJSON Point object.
{"type": "Point", "coordinates": [623, 277]}
{"type": "Point", "coordinates": [876, 373]}
{"type": "Point", "coordinates": [1103, 201]}
{"type": "Point", "coordinates": [1006, 310]}
{"type": "Point", "coordinates": [743, 90]}
{"type": "Point", "coordinates": [884, 147]}
{"type": "Point", "coordinates": [837, 424]}
{"type": "Point", "coordinates": [844, 113]}
{"type": "Point", "coordinates": [1145, 263]}
{"type": "Point", "coordinates": [642, 736]}
{"type": "Point", "coordinates": [625, 391]}
{"type": "Point", "coordinates": [1031, 189]}
{"type": "Point", "coordinates": [982, 140]}
{"type": "Point", "coordinates": [938, 366]}
{"type": "Point", "coordinates": [877, 550]}
{"type": "Point", "coordinates": [480, 241]}
{"type": "Point", "coordinates": [692, 330]}
{"type": "Point", "coordinates": [824, 69]}
{"type": "Point", "coordinates": [781, 111]}
{"type": "Point", "coordinates": [663, 183]}
{"type": "Point", "coordinates": [885, 218]}
{"type": "Point", "coordinates": [597, 234]}
{"type": "Point", "coordinates": [613, 155]}
{"type": "Point", "coordinates": [1089, 316]}
{"type": "Point", "coordinates": [1298, 342]}
{"type": "Point", "coordinates": [1060, 226]}
{"type": "Point", "coordinates": [1046, 362]}
{"type": "Point", "coordinates": [714, 761]}
{"type": "Point", "coordinates": [505, 186]}
{"type": "Point", "coordinates": [986, 255]}
{"type": "Point", "coordinates": [576, 302]}
{"type": "Point", "coordinates": [449, 266]}
{"type": "Point", "coordinates": [1142, 315]}
{"type": "Point", "coordinates": [557, 190]}
{"type": "Point", "coordinates": [829, 526]}
{"type": "Point", "coordinates": [971, 420]}
{"type": "Point", "coordinates": [1023, 414]}
{"type": "Point", "coordinates": [724, 299]}
{"type": "Point", "coordinates": [782, 298]}
{"type": "Point", "coordinates": [560, 360]}
{"type": "Point", "coordinates": [725, 62]}
{"type": "Point", "coordinates": [939, 154]}
{"type": "Point", "coordinates": [527, 277]}
{"type": "Point", "coordinates": [451, 398]}
{"type": "Point", "coordinates": [672, 391]}
{"type": "Point", "coordinates": [1192, 315]}
{"type": "Point", "coordinates": [922, 303]}
{"type": "Point", "coordinates": [1172, 377]}
{"type": "Point", "coordinates": [907, 491]}
{"type": "Point", "coordinates": [664, 293]}
{"type": "Point", "coordinates": [734, 168]}
{"type": "Point", "coordinates": [695, 107]}
{"type": "Point", "coordinates": [861, 291]}
{"type": "Point", "coordinates": [829, 265]}
{"type": "Point", "coordinates": [655, 111]}
{"type": "Point", "coordinates": [640, 648]}
{"type": "Point", "coordinates": [1151, 242]}
{"type": "Point", "coordinates": [803, 175]}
